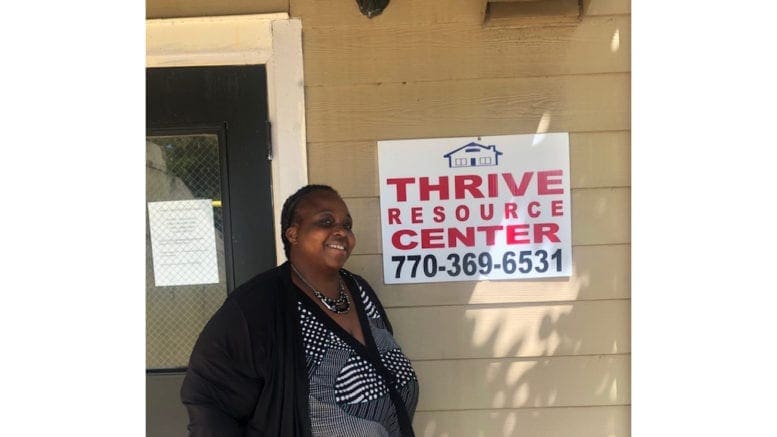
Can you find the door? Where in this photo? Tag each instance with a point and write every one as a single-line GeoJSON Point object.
{"type": "Point", "coordinates": [209, 213]}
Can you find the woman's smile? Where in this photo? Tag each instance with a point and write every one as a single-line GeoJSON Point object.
{"type": "Point", "coordinates": [336, 246]}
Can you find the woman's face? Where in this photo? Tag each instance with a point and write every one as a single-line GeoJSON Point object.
{"type": "Point", "coordinates": [321, 235]}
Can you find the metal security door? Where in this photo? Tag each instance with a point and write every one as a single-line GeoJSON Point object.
{"type": "Point", "coordinates": [207, 149]}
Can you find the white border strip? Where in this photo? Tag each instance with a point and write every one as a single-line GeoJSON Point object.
{"type": "Point", "coordinates": [286, 88]}
{"type": "Point", "coordinates": [271, 39]}
{"type": "Point", "coordinates": [230, 40]}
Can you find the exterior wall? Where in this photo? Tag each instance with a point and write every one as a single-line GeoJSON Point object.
{"type": "Point", "coordinates": [524, 358]}
{"type": "Point", "coordinates": [529, 358]}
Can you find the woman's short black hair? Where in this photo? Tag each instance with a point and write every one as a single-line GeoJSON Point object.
{"type": "Point", "coordinates": [289, 211]}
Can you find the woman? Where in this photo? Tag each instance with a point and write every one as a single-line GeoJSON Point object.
{"type": "Point", "coordinates": [304, 349]}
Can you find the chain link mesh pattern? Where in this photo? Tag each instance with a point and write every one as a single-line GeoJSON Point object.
{"type": "Point", "coordinates": [181, 168]}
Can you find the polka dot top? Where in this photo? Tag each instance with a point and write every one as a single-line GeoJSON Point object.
{"type": "Point", "coordinates": [348, 396]}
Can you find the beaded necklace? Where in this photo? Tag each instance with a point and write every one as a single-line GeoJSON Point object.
{"type": "Point", "coordinates": [339, 306]}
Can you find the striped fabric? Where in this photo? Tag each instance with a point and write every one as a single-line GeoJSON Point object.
{"type": "Point", "coordinates": [347, 395]}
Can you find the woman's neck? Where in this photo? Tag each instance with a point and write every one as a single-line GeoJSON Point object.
{"type": "Point", "coordinates": [326, 282]}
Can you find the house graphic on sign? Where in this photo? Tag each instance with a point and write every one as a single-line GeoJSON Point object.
{"type": "Point", "coordinates": [473, 155]}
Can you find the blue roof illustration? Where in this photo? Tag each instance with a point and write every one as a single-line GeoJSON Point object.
{"type": "Point", "coordinates": [473, 155]}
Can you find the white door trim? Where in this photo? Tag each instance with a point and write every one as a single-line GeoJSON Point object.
{"type": "Point", "coordinates": [271, 39]}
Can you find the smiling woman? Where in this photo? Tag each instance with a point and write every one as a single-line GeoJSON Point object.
{"type": "Point", "coordinates": [309, 330]}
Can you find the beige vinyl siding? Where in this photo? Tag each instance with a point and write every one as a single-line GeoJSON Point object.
{"type": "Point", "coordinates": [443, 52]}
{"type": "Point", "coordinates": [606, 7]}
{"type": "Point", "coordinates": [545, 422]}
{"type": "Point", "coordinates": [597, 159]}
{"type": "Point", "coordinates": [547, 357]}
{"type": "Point", "coordinates": [317, 13]}
{"type": "Point", "coordinates": [477, 384]}
{"type": "Point", "coordinates": [509, 330]}
{"type": "Point", "coordinates": [584, 103]}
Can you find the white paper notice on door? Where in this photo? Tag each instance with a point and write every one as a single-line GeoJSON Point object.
{"type": "Point", "coordinates": [183, 242]}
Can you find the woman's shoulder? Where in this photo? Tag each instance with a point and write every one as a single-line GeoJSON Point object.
{"type": "Point", "coordinates": [261, 290]}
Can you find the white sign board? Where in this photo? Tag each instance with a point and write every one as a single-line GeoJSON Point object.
{"type": "Point", "coordinates": [183, 242]}
{"type": "Point", "coordinates": [475, 208]}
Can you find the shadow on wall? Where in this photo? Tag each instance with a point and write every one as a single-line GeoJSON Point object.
{"type": "Point", "coordinates": [545, 357]}
{"type": "Point", "coordinates": [521, 369]}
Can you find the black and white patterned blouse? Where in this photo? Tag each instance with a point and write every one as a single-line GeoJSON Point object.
{"type": "Point", "coordinates": [348, 395]}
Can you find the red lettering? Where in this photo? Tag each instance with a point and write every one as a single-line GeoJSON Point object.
{"type": "Point", "coordinates": [471, 186]}
{"type": "Point", "coordinates": [439, 214]}
{"type": "Point", "coordinates": [468, 183]}
{"type": "Point", "coordinates": [511, 210]}
{"type": "Point", "coordinates": [486, 215]}
{"type": "Point", "coordinates": [557, 208]}
{"type": "Point", "coordinates": [393, 216]}
{"type": "Point", "coordinates": [493, 185]}
{"type": "Point", "coordinates": [515, 231]}
{"type": "Point", "coordinates": [415, 214]}
{"type": "Point", "coordinates": [455, 234]}
{"type": "Point", "coordinates": [544, 181]}
{"type": "Point", "coordinates": [438, 238]}
{"type": "Point", "coordinates": [534, 212]}
{"type": "Point", "coordinates": [490, 233]}
{"type": "Point", "coordinates": [401, 187]}
{"type": "Point", "coordinates": [518, 190]}
{"type": "Point", "coordinates": [462, 213]}
{"type": "Point", "coordinates": [546, 230]}
{"type": "Point", "coordinates": [426, 187]}
{"type": "Point", "coordinates": [429, 236]}
{"type": "Point", "coordinates": [396, 239]}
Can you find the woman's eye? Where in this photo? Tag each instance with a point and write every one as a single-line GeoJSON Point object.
{"type": "Point", "coordinates": [328, 222]}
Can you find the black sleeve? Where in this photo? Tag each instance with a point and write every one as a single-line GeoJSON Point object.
{"type": "Point", "coordinates": [222, 385]}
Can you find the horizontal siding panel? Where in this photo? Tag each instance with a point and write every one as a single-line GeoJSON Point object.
{"type": "Point", "coordinates": [598, 272]}
{"type": "Point", "coordinates": [366, 224]}
{"type": "Point", "coordinates": [606, 7]}
{"type": "Point", "coordinates": [533, 13]}
{"type": "Point", "coordinates": [517, 383]}
{"type": "Point", "coordinates": [580, 328]}
{"type": "Point", "coordinates": [609, 421]}
{"type": "Point", "coordinates": [596, 159]}
{"type": "Point", "coordinates": [351, 167]}
{"type": "Point", "coordinates": [598, 102]}
{"type": "Point", "coordinates": [600, 159]}
{"type": "Point", "coordinates": [599, 216]}
{"type": "Point", "coordinates": [337, 56]}
{"type": "Point", "coordinates": [317, 13]}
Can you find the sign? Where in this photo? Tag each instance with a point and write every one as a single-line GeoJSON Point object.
{"type": "Point", "coordinates": [183, 242]}
{"type": "Point", "coordinates": [477, 208]}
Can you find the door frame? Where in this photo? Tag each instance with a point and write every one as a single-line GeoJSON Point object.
{"type": "Point", "coordinates": [271, 39]}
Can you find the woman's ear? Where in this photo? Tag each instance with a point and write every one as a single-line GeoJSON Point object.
{"type": "Point", "coordinates": [291, 234]}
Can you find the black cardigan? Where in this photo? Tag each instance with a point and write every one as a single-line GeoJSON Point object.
{"type": "Point", "coordinates": [247, 376]}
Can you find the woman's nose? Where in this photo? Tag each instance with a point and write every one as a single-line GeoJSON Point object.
{"type": "Point", "coordinates": [341, 229]}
